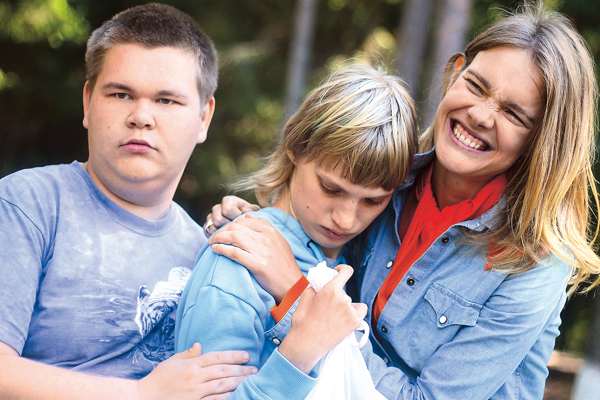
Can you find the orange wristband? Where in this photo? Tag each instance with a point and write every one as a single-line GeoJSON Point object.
{"type": "Point", "coordinates": [278, 311]}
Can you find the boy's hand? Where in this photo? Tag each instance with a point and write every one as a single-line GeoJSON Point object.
{"type": "Point", "coordinates": [192, 375]}
{"type": "Point", "coordinates": [321, 321]}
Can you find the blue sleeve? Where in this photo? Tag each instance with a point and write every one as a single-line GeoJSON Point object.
{"type": "Point", "coordinates": [23, 249]}
{"type": "Point", "coordinates": [278, 379]}
{"type": "Point", "coordinates": [222, 309]}
{"type": "Point", "coordinates": [503, 355]}
{"type": "Point", "coordinates": [280, 331]}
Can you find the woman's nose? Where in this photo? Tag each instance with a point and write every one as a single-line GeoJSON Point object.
{"type": "Point", "coordinates": [482, 113]}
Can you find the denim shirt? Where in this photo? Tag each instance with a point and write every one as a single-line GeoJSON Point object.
{"type": "Point", "coordinates": [452, 329]}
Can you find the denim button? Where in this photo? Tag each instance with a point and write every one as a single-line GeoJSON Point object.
{"type": "Point", "coordinates": [389, 264]}
{"type": "Point", "coordinates": [276, 341]}
{"type": "Point", "coordinates": [384, 329]}
{"type": "Point", "coordinates": [386, 360]}
{"type": "Point", "coordinates": [410, 281]}
{"type": "Point", "coordinates": [445, 239]}
{"type": "Point", "coordinates": [443, 319]}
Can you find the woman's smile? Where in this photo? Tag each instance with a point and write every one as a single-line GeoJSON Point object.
{"type": "Point", "coordinates": [464, 137]}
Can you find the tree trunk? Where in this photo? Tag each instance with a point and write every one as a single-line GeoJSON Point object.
{"type": "Point", "coordinates": [450, 38]}
{"type": "Point", "coordinates": [300, 54]}
{"type": "Point", "coordinates": [412, 41]}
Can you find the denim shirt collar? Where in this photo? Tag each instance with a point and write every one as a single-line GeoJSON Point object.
{"type": "Point", "coordinates": [422, 160]}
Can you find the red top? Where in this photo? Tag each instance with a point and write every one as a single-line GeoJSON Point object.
{"type": "Point", "coordinates": [422, 223]}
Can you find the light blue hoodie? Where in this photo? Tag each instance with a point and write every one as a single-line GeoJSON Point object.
{"type": "Point", "coordinates": [224, 308]}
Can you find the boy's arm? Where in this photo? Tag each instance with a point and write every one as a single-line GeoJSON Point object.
{"type": "Point", "coordinates": [320, 322]}
{"type": "Point", "coordinates": [187, 375]}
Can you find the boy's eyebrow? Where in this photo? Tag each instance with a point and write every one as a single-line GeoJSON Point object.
{"type": "Point", "coordinates": [119, 86]}
{"type": "Point", "coordinates": [508, 103]}
{"type": "Point", "coordinates": [125, 88]}
{"type": "Point", "coordinates": [171, 93]}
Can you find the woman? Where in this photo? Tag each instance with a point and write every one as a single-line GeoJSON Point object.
{"type": "Point", "coordinates": [345, 150]}
{"type": "Point", "coordinates": [465, 272]}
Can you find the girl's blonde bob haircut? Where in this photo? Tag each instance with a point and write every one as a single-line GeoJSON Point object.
{"type": "Point", "coordinates": [360, 119]}
{"type": "Point", "coordinates": [547, 200]}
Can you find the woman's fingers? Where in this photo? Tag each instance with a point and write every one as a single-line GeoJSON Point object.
{"type": "Point", "coordinates": [254, 243]}
{"type": "Point", "coordinates": [229, 209]}
{"type": "Point", "coordinates": [233, 206]}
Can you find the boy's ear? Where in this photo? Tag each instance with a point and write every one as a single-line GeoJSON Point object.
{"type": "Point", "coordinates": [87, 91]}
{"type": "Point", "coordinates": [207, 114]}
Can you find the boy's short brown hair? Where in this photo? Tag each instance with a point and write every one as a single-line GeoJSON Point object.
{"type": "Point", "coordinates": [155, 25]}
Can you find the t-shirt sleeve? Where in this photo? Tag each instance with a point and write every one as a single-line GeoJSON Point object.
{"type": "Point", "coordinates": [21, 259]}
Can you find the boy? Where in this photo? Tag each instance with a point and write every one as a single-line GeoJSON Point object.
{"type": "Point", "coordinates": [94, 255]}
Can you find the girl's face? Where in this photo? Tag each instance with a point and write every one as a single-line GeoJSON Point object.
{"type": "Point", "coordinates": [331, 209]}
{"type": "Point", "coordinates": [488, 116]}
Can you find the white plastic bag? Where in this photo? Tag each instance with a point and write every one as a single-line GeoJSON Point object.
{"type": "Point", "coordinates": [343, 374]}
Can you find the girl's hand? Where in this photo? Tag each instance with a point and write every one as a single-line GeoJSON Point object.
{"type": "Point", "coordinates": [254, 243]}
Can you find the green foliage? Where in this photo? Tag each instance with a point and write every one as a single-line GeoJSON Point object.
{"type": "Point", "coordinates": [37, 20]}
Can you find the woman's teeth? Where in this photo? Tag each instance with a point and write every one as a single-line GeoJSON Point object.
{"type": "Point", "coordinates": [468, 141]}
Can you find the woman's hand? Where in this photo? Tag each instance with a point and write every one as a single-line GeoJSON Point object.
{"type": "Point", "coordinates": [192, 375]}
{"type": "Point", "coordinates": [254, 243]}
{"type": "Point", "coordinates": [230, 208]}
{"type": "Point", "coordinates": [321, 321]}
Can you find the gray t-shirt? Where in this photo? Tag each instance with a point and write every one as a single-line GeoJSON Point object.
{"type": "Point", "coordinates": [85, 284]}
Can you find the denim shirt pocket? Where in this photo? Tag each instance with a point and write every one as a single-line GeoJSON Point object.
{"type": "Point", "coordinates": [451, 309]}
{"type": "Point", "coordinates": [442, 314]}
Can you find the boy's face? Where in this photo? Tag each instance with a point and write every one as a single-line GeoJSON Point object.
{"type": "Point", "coordinates": [331, 209]}
{"type": "Point", "coordinates": [144, 118]}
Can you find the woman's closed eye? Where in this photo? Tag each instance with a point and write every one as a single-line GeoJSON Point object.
{"type": "Point", "coordinates": [473, 86]}
{"type": "Point", "coordinates": [512, 115]}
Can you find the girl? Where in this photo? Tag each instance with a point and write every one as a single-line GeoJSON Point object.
{"type": "Point", "coordinates": [465, 271]}
{"type": "Point", "coordinates": [348, 146]}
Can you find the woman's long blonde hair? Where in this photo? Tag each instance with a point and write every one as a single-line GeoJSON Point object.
{"type": "Point", "coordinates": [360, 119]}
{"type": "Point", "coordinates": [547, 206]}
